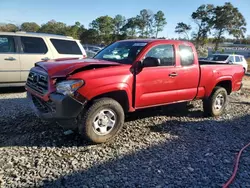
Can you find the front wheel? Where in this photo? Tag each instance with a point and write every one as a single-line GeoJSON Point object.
{"type": "Point", "coordinates": [102, 120]}
{"type": "Point", "coordinates": [215, 105]}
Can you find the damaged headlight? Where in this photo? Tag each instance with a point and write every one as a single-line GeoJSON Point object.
{"type": "Point", "coordinates": [69, 87]}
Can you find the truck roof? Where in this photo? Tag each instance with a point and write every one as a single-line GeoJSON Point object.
{"type": "Point", "coordinates": [158, 40]}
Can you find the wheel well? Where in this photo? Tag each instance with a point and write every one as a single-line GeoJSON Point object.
{"type": "Point", "coordinates": [120, 96]}
{"type": "Point", "coordinates": [227, 84]}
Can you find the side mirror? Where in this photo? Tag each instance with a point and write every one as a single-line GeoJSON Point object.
{"type": "Point", "coordinates": [229, 62]}
{"type": "Point", "coordinates": [151, 62]}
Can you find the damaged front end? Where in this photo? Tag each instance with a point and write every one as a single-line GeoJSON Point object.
{"type": "Point", "coordinates": [54, 95]}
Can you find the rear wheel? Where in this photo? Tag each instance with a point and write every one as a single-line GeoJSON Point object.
{"type": "Point", "coordinates": [102, 120]}
{"type": "Point", "coordinates": [215, 105]}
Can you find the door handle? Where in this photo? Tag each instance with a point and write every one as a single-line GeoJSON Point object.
{"type": "Point", "coordinates": [45, 59]}
{"type": "Point", "coordinates": [10, 59]}
{"type": "Point", "coordinates": [173, 74]}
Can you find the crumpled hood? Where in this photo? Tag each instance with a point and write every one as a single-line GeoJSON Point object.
{"type": "Point", "coordinates": [63, 68]}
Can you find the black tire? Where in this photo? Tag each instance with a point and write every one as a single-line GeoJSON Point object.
{"type": "Point", "coordinates": [86, 126]}
{"type": "Point", "coordinates": [209, 104]}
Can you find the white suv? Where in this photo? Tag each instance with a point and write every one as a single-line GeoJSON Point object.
{"type": "Point", "coordinates": [19, 51]}
{"type": "Point", "coordinates": [230, 58]}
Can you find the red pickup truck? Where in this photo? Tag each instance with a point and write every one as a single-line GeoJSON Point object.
{"type": "Point", "coordinates": [92, 95]}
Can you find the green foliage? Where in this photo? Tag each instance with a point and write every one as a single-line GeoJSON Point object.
{"type": "Point", "coordinates": [227, 18]}
{"type": "Point", "coordinates": [119, 22]}
{"type": "Point", "coordinates": [75, 30]}
{"type": "Point", "coordinates": [30, 27]}
{"type": "Point", "coordinates": [8, 28]}
{"type": "Point", "coordinates": [202, 52]}
{"type": "Point", "coordinates": [130, 27]}
{"type": "Point", "coordinates": [105, 26]}
{"type": "Point", "coordinates": [54, 27]}
{"type": "Point", "coordinates": [90, 36]}
{"type": "Point", "coordinates": [183, 28]}
{"type": "Point", "coordinates": [203, 19]}
{"type": "Point", "coordinates": [160, 22]}
{"type": "Point", "coordinates": [144, 22]}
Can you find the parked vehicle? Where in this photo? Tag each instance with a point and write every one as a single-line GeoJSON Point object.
{"type": "Point", "coordinates": [19, 52]}
{"type": "Point", "coordinates": [90, 53]}
{"type": "Point", "coordinates": [92, 95]}
{"type": "Point", "coordinates": [92, 48]}
{"type": "Point", "coordinates": [230, 58]}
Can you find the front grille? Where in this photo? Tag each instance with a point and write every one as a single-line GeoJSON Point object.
{"type": "Point", "coordinates": [38, 82]}
{"type": "Point", "coordinates": [42, 106]}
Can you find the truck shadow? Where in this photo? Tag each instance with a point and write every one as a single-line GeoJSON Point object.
{"type": "Point", "coordinates": [21, 127]}
{"type": "Point", "coordinates": [172, 110]}
{"type": "Point", "coordinates": [200, 156]}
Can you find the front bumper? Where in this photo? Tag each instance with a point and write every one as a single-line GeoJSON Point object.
{"type": "Point", "coordinates": [59, 108]}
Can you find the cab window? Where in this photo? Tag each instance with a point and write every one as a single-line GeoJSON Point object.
{"type": "Point", "coordinates": [163, 52]}
{"type": "Point", "coordinates": [186, 55]}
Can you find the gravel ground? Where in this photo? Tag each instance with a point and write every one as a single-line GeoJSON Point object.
{"type": "Point", "coordinates": [162, 147]}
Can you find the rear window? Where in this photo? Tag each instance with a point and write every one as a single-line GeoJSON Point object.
{"type": "Point", "coordinates": [33, 45]}
{"type": "Point", "coordinates": [219, 57]}
{"type": "Point", "coordinates": [66, 46]}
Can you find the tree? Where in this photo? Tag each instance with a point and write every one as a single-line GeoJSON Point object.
{"type": "Point", "coordinates": [144, 22]}
{"type": "Point", "coordinates": [119, 22]}
{"type": "Point", "coordinates": [8, 28]}
{"type": "Point", "coordinates": [104, 25]}
{"type": "Point", "coordinates": [90, 36]}
{"type": "Point", "coordinates": [160, 22]}
{"type": "Point", "coordinates": [54, 27]}
{"type": "Point", "coordinates": [30, 27]}
{"type": "Point", "coordinates": [203, 18]}
{"type": "Point", "coordinates": [75, 30]}
{"type": "Point", "coordinates": [130, 27]}
{"type": "Point", "coordinates": [228, 19]}
{"type": "Point", "coordinates": [183, 28]}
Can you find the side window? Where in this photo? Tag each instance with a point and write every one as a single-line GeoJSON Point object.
{"type": "Point", "coordinates": [186, 55]}
{"type": "Point", "coordinates": [7, 44]}
{"type": "Point", "coordinates": [66, 46]}
{"type": "Point", "coordinates": [163, 52]}
{"type": "Point", "coordinates": [237, 59]}
{"type": "Point", "coordinates": [231, 58]}
{"type": "Point", "coordinates": [241, 59]}
{"type": "Point", "coordinates": [33, 45]}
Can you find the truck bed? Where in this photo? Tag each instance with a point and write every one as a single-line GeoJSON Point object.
{"type": "Point", "coordinates": [215, 72]}
{"type": "Point", "coordinates": [206, 62]}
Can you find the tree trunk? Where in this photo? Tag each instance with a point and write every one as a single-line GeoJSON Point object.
{"type": "Point", "coordinates": [217, 41]}
{"type": "Point", "coordinates": [156, 33]}
{"type": "Point", "coordinates": [187, 35]}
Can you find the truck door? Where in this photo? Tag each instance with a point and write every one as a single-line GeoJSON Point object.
{"type": "Point", "coordinates": [9, 60]}
{"type": "Point", "coordinates": [188, 73]}
{"type": "Point", "coordinates": [158, 85]}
